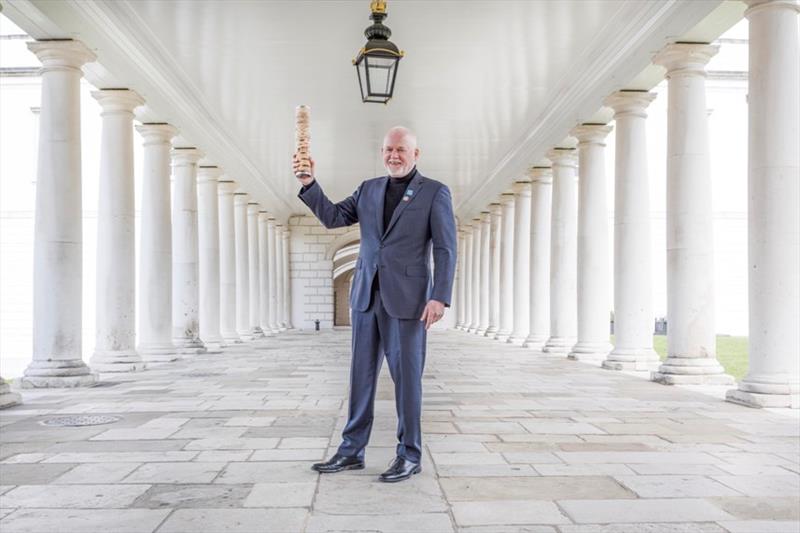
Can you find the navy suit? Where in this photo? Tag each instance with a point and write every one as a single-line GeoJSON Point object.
{"type": "Point", "coordinates": [386, 321]}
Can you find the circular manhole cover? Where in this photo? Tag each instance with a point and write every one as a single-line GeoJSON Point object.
{"type": "Point", "coordinates": [80, 420]}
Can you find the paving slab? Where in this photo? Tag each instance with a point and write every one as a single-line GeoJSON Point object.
{"type": "Point", "coordinates": [234, 520]}
{"type": "Point", "coordinates": [73, 496]}
{"type": "Point", "coordinates": [507, 512]}
{"type": "Point", "coordinates": [533, 488]}
{"type": "Point", "coordinates": [83, 520]}
{"type": "Point", "coordinates": [650, 510]}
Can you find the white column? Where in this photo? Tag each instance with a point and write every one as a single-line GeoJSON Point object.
{"type": "Point", "coordinates": [522, 261]}
{"type": "Point", "coordinates": [773, 379]}
{"type": "Point", "coordinates": [155, 254]}
{"type": "Point", "coordinates": [280, 320]}
{"type": "Point", "coordinates": [461, 293]}
{"type": "Point", "coordinates": [633, 315]}
{"type": "Point", "coordinates": [253, 271]}
{"type": "Point", "coordinates": [58, 242]}
{"type": "Point", "coordinates": [209, 258]}
{"type": "Point", "coordinates": [468, 241]}
{"type": "Point", "coordinates": [541, 212]}
{"type": "Point", "coordinates": [115, 341]}
{"type": "Point", "coordinates": [691, 337]}
{"type": "Point", "coordinates": [594, 275]}
{"type": "Point", "coordinates": [506, 268]}
{"type": "Point", "coordinates": [563, 252]}
{"type": "Point", "coordinates": [240, 201]}
{"type": "Point", "coordinates": [227, 263]}
{"type": "Point", "coordinates": [185, 273]}
{"type": "Point", "coordinates": [273, 274]}
{"type": "Point", "coordinates": [476, 276]}
{"type": "Point", "coordinates": [287, 280]}
{"type": "Point", "coordinates": [8, 398]}
{"type": "Point", "coordinates": [496, 214]}
{"type": "Point", "coordinates": [485, 260]}
{"type": "Point", "coordinates": [262, 294]}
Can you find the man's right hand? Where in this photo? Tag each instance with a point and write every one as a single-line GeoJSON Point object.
{"type": "Point", "coordinates": [304, 179]}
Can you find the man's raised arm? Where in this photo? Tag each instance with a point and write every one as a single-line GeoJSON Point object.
{"type": "Point", "coordinates": [331, 215]}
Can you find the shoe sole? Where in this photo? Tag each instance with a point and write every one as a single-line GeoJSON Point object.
{"type": "Point", "coordinates": [415, 471]}
{"type": "Point", "coordinates": [350, 467]}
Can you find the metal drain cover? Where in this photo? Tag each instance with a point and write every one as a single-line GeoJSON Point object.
{"type": "Point", "coordinates": [80, 420]}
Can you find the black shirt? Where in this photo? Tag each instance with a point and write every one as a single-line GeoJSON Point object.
{"type": "Point", "coordinates": [394, 193]}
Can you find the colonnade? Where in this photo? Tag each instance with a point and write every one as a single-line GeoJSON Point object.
{"type": "Point", "coordinates": [207, 253]}
{"type": "Point", "coordinates": [551, 232]}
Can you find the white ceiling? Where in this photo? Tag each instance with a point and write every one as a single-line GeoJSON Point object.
{"type": "Point", "coordinates": [488, 85]}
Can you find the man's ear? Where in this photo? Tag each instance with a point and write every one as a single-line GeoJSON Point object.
{"type": "Point", "coordinates": [416, 153]}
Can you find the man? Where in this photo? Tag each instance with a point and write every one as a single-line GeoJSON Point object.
{"type": "Point", "coordinates": [393, 299]}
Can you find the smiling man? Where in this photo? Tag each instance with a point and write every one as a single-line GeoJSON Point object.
{"type": "Point", "coordinates": [394, 299]}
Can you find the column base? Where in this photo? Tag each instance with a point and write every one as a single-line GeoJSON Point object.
{"type": "Point", "coordinates": [189, 346]}
{"type": "Point", "coordinates": [8, 398]}
{"type": "Point", "coordinates": [535, 342]}
{"type": "Point", "coordinates": [481, 332]}
{"type": "Point", "coordinates": [692, 371]}
{"type": "Point", "coordinates": [491, 332]}
{"type": "Point", "coordinates": [116, 361]}
{"type": "Point", "coordinates": [57, 374]}
{"type": "Point", "coordinates": [559, 345]}
{"type": "Point", "coordinates": [256, 332]}
{"type": "Point", "coordinates": [516, 340]}
{"type": "Point", "coordinates": [642, 359]}
{"type": "Point", "coordinates": [157, 353]}
{"type": "Point", "coordinates": [502, 336]}
{"type": "Point", "coordinates": [231, 338]}
{"type": "Point", "coordinates": [214, 346]}
{"type": "Point", "coordinates": [762, 400]}
{"type": "Point", "coordinates": [594, 352]}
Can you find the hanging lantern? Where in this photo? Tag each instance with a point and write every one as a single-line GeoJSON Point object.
{"type": "Point", "coordinates": [377, 61]}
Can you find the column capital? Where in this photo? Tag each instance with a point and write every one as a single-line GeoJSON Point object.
{"type": "Point", "coordinates": [756, 6]}
{"type": "Point", "coordinates": [208, 173]}
{"type": "Point", "coordinates": [241, 198]}
{"type": "Point", "coordinates": [156, 133]}
{"type": "Point", "coordinates": [118, 100]}
{"type": "Point", "coordinates": [263, 216]}
{"type": "Point", "coordinates": [496, 208]}
{"type": "Point", "coordinates": [61, 55]}
{"type": "Point", "coordinates": [541, 174]}
{"type": "Point", "coordinates": [629, 103]}
{"type": "Point", "coordinates": [485, 217]}
{"type": "Point", "coordinates": [591, 133]}
{"type": "Point", "coordinates": [182, 157]}
{"type": "Point", "coordinates": [685, 59]}
{"type": "Point", "coordinates": [507, 198]}
{"type": "Point", "coordinates": [226, 187]}
{"type": "Point", "coordinates": [253, 208]}
{"type": "Point", "coordinates": [522, 188]}
{"type": "Point", "coordinates": [563, 157]}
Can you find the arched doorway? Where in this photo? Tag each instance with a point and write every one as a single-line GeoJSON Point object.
{"type": "Point", "coordinates": [344, 263]}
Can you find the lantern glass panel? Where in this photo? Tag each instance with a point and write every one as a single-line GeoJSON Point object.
{"type": "Point", "coordinates": [380, 74]}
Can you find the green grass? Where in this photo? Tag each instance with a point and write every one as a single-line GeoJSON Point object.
{"type": "Point", "coordinates": [731, 353]}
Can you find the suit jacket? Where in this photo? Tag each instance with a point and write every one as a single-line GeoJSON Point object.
{"type": "Point", "coordinates": [400, 253]}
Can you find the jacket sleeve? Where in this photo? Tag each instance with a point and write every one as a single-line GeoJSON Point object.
{"type": "Point", "coordinates": [443, 235]}
{"type": "Point", "coordinates": [331, 215]}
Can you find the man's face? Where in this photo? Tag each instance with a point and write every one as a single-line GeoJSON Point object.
{"type": "Point", "coordinates": [399, 153]}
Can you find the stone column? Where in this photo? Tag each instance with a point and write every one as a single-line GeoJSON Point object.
{"type": "Point", "coordinates": [253, 271]}
{"type": "Point", "coordinates": [287, 280]}
{"type": "Point", "coordinates": [185, 257]}
{"type": "Point", "coordinates": [240, 200]}
{"type": "Point", "coordinates": [209, 258]}
{"type": "Point", "coordinates": [773, 379]}
{"type": "Point", "coordinates": [262, 294]}
{"type": "Point", "coordinates": [541, 212]}
{"type": "Point", "coordinates": [155, 255]}
{"type": "Point", "coordinates": [58, 242]}
{"type": "Point", "coordinates": [506, 268]}
{"type": "Point", "coordinates": [8, 398]}
{"type": "Point", "coordinates": [485, 260]}
{"type": "Point", "coordinates": [280, 320]}
{"type": "Point", "coordinates": [476, 276]}
{"type": "Point", "coordinates": [461, 293]}
{"type": "Point", "coordinates": [563, 252]}
{"type": "Point", "coordinates": [691, 338]}
{"type": "Point", "coordinates": [594, 275]}
{"type": "Point", "coordinates": [273, 273]}
{"type": "Point", "coordinates": [633, 315]}
{"type": "Point", "coordinates": [496, 214]}
{"type": "Point", "coordinates": [115, 340]}
{"type": "Point", "coordinates": [522, 261]}
{"type": "Point", "coordinates": [467, 277]}
{"type": "Point", "coordinates": [227, 263]}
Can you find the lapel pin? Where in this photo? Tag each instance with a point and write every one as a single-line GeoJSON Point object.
{"type": "Point", "coordinates": [409, 192]}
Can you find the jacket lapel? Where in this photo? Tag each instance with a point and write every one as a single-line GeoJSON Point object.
{"type": "Point", "coordinates": [381, 202]}
{"type": "Point", "coordinates": [412, 191]}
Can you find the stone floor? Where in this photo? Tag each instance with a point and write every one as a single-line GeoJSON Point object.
{"type": "Point", "coordinates": [515, 441]}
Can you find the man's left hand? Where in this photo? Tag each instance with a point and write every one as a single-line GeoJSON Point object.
{"type": "Point", "coordinates": [434, 311]}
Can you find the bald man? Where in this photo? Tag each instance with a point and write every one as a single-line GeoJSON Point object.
{"type": "Point", "coordinates": [394, 299]}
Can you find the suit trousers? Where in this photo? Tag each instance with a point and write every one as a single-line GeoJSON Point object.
{"type": "Point", "coordinates": [402, 342]}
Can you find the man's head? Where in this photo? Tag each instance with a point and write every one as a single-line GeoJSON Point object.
{"type": "Point", "coordinates": [399, 151]}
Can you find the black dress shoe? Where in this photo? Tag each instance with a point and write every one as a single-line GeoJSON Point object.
{"type": "Point", "coordinates": [337, 463]}
{"type": "Point", "coordinates": [399, 470]}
